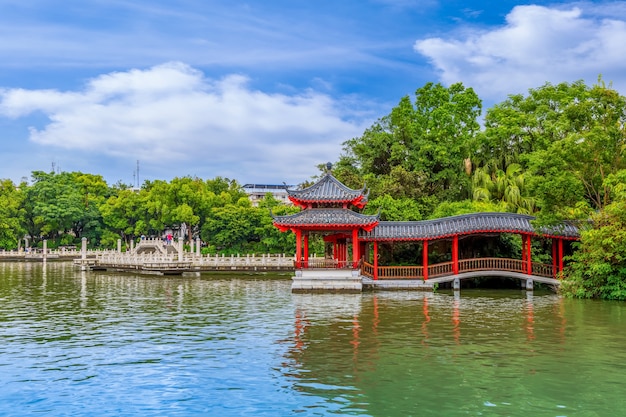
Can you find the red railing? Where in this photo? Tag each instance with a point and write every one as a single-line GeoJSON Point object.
{"type": "Point", "coordinates": [465, 265]}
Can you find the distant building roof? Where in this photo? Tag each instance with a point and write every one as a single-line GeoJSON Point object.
{"type": "Point", "coordinates": [267, 186]}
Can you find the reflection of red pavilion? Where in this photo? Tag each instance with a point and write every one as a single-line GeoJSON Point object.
{"type": "Point", "coordinates": [327, 210]}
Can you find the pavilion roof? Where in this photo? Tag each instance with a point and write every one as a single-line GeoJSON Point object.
{"type": "Point", "coordinates": [326, 218]}
{"type": "Point", "coordinates": [463, 225]}
{"type": "Point", "coordinates": [328, 190]}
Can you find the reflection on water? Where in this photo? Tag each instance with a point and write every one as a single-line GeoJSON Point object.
{"type": "Point", "coordinates": [479, 353]}
{"type": "Point", "coordinates": [92, 343]}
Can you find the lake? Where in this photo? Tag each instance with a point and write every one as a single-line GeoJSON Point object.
{"type": "Point", "coordinates": [76, 343]}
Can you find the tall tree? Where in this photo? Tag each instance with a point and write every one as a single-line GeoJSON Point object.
{"type": "Point", "coordinates": [424, 144]}
{"type": "Point", "coordinates": [11, 198]}
{"type": "Point", "coordinates": [598, 267]}
{"type": "Point", "coordinates": [567, 139]}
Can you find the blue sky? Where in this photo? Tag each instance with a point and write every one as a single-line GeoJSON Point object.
{"type": "Point", "coordinates": [265, 90]}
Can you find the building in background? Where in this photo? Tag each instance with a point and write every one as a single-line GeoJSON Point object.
{"type": "Point", "coordinates": [257, 192]}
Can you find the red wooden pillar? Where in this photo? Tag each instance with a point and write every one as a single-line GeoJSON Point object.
{"type": "Point", "coordinates": [455, 254]}
{"type": "Point", "coordinates": [338, 252]}
{"type": "Point", "coordinates": [342, 253]}
{"type": "Point", "coordinates": [298, 248]}
{"type": "Point", "coordinates": [554, 258]}
{"type": "Point", "coordinates": [425, 259]}
{"type": "Point", "coordinates": [529, 260]}
{"type": "Point", "coordinates": [364, 251]}
{"type": "Point", "coordinates": [355, 248]}
{"type": "Point", "coordinates": [375, 260]}
{"type": "Point", "coordinates": [306, 250]}
{"type": "Point", "coordinates": [560, 255]}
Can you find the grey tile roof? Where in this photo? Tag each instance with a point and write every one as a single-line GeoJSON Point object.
{"type": "Point", "coordinates": [326, 217]}
{"type": "Point", "coordinates": [464, 224]}
{"type": "Point", "coordinates": [328, 189]}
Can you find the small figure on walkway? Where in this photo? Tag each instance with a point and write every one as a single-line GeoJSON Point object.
{"type": "Point", "coordinates": [169, 238]}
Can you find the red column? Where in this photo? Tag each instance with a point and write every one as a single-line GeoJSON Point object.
{"type": "Point", "coordinates": [455, 254]}
{"type": "Point", "coordinates": [355, 248]}
{"type": "Point", "coordinates": [529, 265]}
{"type": "Point", "coordinates": [425, 259]}
{"type": "Point", "coordinates": [342, 253]}
{"type": "Point", "coordinates": [298, 248]}
{"type": "Point", "coordinates": [554, 257]}
{"type": "Point", "coordinates": [560, 255]}
{"type": "Point", "coordinates": [306, 250]}
{"type": "Point", "coordinates": [375, 260]}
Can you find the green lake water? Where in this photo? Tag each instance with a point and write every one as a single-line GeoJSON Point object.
{"type": "Point", "coordinates": [75, 343]}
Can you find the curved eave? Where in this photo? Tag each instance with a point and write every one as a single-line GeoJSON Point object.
{"type": "Point", "coordinates": [368, 238]}
{"type": "Point", "coordinates": [326, 226]}
{"type": "Point", "coordinates": [463, 225]}
{"type": "Point", "coordinates": [328, 190]}
{"type": "Point", "coordinates": [359, 201]}
{"type": "Point", "coordinates": [326, 219]}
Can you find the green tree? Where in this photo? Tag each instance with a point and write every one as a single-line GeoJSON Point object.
{"type": "Point", "coordinates": [598, 267]}
{"type": "Point", "coordinates": [124, 216]}
{"type": "Point", "coordinates": [11, 199]}
{"type": "Point", "coordinates": [566, 138]}
{"type": "Point", "coordinates": [63, 207]}
{"type": "Point", "coordinates": [503, 186]}
{"type": "Point", "coordinates": [419, 150]}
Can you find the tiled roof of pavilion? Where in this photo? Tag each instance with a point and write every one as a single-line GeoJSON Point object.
{"type": "Point", "coordinates": [463, 225]}
{"type": "Point", "coordinates": [326, 218]}
{"type": "Point", "coordinates": [328, 190]}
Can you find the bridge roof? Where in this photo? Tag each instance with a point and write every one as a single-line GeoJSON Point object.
{"type": "Point", "coordinates": [328, 190]}
{"type": "Point", "coordinates": [326, 219]}
{"type": "Point", "coordinates": [464, 225]}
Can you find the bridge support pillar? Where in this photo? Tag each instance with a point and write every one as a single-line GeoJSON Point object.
{"type": "Point", "coordinates": [456, 284]}
{"type": "Point", "coordinates": [529, 284]}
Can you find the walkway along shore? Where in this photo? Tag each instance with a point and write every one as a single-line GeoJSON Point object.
{"type": "Point", "coordinates": [151, 256]}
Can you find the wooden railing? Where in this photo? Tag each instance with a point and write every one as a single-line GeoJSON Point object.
{"type": "Point", "coordinates": [465, 265]}
{"type": "Point", "coordinates": [324, 263]}
{"type": "Point", "coordinates": [438, 270]}
{"type": "Point", "coordinates": [492, 264]}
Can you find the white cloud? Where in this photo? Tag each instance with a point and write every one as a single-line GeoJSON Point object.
{"type": "Point", "coordinates": [172, 114]}
{"type": "Point", "coordinates": [536, 45]}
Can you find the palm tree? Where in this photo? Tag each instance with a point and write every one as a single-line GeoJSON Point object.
{"type": "Point", "coordinates": [507, 186]}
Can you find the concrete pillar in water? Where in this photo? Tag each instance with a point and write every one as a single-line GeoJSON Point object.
{"type": "Point", "coordinates": [119, 245]}
{"type": "Point", "coordinates": [83, 253]}
{"type": "Point", "coordinates": [529, 284]}
{"type": "Point", "coordinates": [180, 249]}
{"type": "Point", "coordinates": [45, 248]}
{"type": "Point", "coordinates": [83, 248]}
{"type": "Point", "coordinates": [456, 284]}
{"type": "Point", "coordinates": [198, 246]}
{"type": "Point", "coordinates": [132, 245]}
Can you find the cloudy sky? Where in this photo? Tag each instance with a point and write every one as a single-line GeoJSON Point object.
{"type": "Point", "coordinates": [262, 91]}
